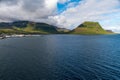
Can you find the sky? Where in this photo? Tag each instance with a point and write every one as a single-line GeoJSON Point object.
{"type": "Point", "coordinates": [63, 13]}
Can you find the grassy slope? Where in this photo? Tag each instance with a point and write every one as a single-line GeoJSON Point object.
{"type": "Point", "coordinates": [89, 28]}
{"type": "Point", "coordinates": [85, 28]}
{"type": "Point", "coordinates": [29, 29]}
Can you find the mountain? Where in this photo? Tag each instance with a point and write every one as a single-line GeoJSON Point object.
{"type": "Point", "coordinates": [62, 30]}
{"type": "Point", "coordinates": [110, 31]}
{"type": "Point", "coordinates": [89, 28]}
{"type": "Point", "coordinates": [27, 27]}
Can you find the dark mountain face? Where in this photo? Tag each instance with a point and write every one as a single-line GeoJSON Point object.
{"type": "Point", "coordinates": [110, 31]}
{"type": "Point", "coordinates": [20, 24]}
{"type": "Point", "coordinates": [5, 25]}
{"type": "Point", "coordinates": [45, 27]}
{"type": "Point", "coordinates": [11, 24]}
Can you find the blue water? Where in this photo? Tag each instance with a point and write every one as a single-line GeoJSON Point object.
{"type": "Point", "coordinates": [60, 57]}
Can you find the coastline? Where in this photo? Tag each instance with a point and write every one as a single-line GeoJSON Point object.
{"type": "Point", "coordinates": [4, 36]}
{"type": "Point", "coordinates": [17, 35]}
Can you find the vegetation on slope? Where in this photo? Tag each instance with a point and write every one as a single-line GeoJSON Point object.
{"type": "Point", "coordinates": [89, 28]}
{"type": "Point", "coordinates": [25, 27]}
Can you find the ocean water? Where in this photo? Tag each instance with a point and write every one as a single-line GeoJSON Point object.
{"type": "Point", "coordinates": [60, 57]}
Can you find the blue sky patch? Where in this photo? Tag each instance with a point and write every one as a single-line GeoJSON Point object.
{"type": "Point", "coordinates": [62, 7]}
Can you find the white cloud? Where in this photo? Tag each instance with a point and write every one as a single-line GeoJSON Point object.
{"type": "Point", "coordinates": [27, 9]}
{"type": "Point", "coordinates": [63, 1]}
{"type": "Point", "coordinates": [46, 11]}
{"type": "Point", "coordinates": [89, 10]}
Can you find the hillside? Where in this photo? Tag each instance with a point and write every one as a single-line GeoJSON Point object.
{"type": "Point", "coordinates": [89, 28]}
{"type": "Point", "coordinates": [63, 30]}
{"type": "Point", "coordinates": [27, 27]}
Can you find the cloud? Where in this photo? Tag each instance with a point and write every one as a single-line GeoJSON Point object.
{"type": "Point", "coordinates": [104, 11]}
{"type": "Point", "coordinates": [27, 9]}
{"type": "Point", "coordinates": [88, 10]}
{"type": "Point", "coordinates": [63, 1]}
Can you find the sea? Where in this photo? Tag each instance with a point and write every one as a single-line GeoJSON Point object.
{"type": "Point", "coordinates": [60, 57]}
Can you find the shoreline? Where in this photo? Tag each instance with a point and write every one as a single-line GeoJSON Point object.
{"type": "Point", "coordinates": [17, 35]}
{"type": "Point", "coordinates": [4, 36]}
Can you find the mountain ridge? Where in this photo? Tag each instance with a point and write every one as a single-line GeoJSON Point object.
{"type": "Point", "coordinates": [29, 27]}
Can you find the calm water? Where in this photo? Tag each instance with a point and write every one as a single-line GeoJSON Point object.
{"type": "Point", "coordinates": [60, 57]}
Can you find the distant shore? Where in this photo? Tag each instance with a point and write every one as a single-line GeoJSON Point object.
{"type": "Point", "coordinates": [4, 36]}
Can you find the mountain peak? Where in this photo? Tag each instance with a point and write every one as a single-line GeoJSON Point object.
{"type": "Point", "coordinates": [89, 24]}
{"type": "Point", "coordinates": [89, 28]}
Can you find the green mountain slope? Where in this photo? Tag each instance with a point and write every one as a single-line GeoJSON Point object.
{"type": "Point", "coordinates": [26, 27]}
{"type": "Point", "coordinates": [89, 28]}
